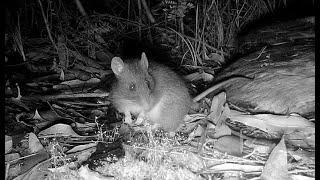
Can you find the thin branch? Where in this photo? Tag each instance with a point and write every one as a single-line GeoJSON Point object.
{"type": "Point", "coordinates": [80, 7]}
{"type": "Point", "coordinates": [148, 12]}
{"type": "Point", "coordinates": [64, 96]}
{"type": "Point", "coordinates": [140, 20]}
{"type": "Point", "coordinates": [47, 25]}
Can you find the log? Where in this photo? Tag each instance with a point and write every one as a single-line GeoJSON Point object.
{"type": "Point", "coordinates": [284, 77]}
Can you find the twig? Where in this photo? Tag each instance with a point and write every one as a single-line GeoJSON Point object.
{"type": "Point", "coordinates": [78, 138]}
{"type": "Point", "coordinates": [140, 21]}
{"type": "Point", "coordinates": [146, 8]}
{"type": "Point", "coordinates": [234, 167]}
{"type": "Point", "coordinates": [18, 40]}
{"type": "Point", "coordinates": [217, 86]}
{"type": "Point", "coordinates": [128, 13]}
{"type": "Point", "coordinates": [71, 103]}
{"type": "Point", "coordinates": [188, 43]}
{"type": "Point", "coordinates": [261, 52]}
{"type": "Point", "coordinates": [139, 24]}
{"type": "Point", "coordinates": [197, 40]}
{"type": "Point", "coordinates": [7, 170]}
{"type": "Point", "coordinates": [64, 96]}
{"type": "Point", "coordinates": [296, 171]}
{"type": "Point", "coordinates": [47, 25]}
{"type": "Point", "coordinates": [23, 157]}
{"type": "Point", "coordinates": [80, 7]}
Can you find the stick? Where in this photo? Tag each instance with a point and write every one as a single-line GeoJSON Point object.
{"type": "Point", "coordinates": [148, 12]}
{"type": "Point", "coordinates": [47, 25]}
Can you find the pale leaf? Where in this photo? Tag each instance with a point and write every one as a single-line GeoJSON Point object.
{"type": "Point", "coordinates": [217, 106]}
{"type": "Point", "coordinates": [59, 129]}
{"type": "Point", "coordinates": [276, 167]}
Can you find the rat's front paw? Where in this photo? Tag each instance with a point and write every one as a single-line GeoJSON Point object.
{"type": "Point", "coordinates": [140, 119]}
{"type": "Point", "coordinates": [127, 118]}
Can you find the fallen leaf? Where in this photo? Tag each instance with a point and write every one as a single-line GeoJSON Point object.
{"type": "Point", "coordinates": [298, 130]}
{"type": "Point", "coordinates": [304, 137]}
{"type": "Point", "coordinates": [236, 167]}
{"type": "Point", "coordinates": [12, 157]}
{"type": "Point", "coordinates": [229, 144]}
{"type": "Point", "coordinates": [276, 167]}
{"type": "Point", "coordinates": [34, 144]}
{"type": "Point", "coordinates": [62, 76]}
{"type": "Point", "coordinates": [82, 147]}
{"type": "Point", "coordinates": [39, 172]}
{"type": "Point", "coordinates": [37, 115]}
{"type": "Point", "coordinates": [190, 160]}
{"type": "Point", "coordinates": [87, 174]}
{"type": "Point", "coordinates": [59, 129]}
{"type": "Point", "coordinates": [8, 144]}
{"type": "Point", "coordinates": [196, 132]}
{"type": "Point", "coordinates": [221, 130]}
{"type": "Point", "coordinates": [217, 107]}
{"type": "Point", "coordinates": [76, 83]}
{"type": "Point", "coordinates": [206, 77]}
{"type": "Point", "coordinates": [216, 58]}
{"type": "Point", "coordinates": [85, 155]}
{"type": "Point", "coordinates": [300, 177]}
{"type": "Point", "coordinates": [29, 162]}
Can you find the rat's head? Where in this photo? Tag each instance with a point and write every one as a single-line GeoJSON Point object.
{"type": "Point", "coordinates": [134, 83]}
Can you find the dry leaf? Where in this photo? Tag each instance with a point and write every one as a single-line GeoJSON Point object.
{"type": "Point", "coordinates": [206, 77]}
{"type": "Point", "coordinates": [276, 167]}
{"type": "Point", "coordinates": [276, 125]}
{"type": "Point", "coordinates": [87, 174]}
{"type": "Point", "coordinates": [37, 115]}
{"type": "Point", "coordinates": [85, 155]}
{"type": "Point", "coordinates": [229, 144]}
{"type": "Point", "coordinates": [285, 122]}
{"type": "Point", "coordinates": [62, 76]}
{"type": "Point", "coordinates": [76, 83]}
{"type": "Point", "coordinates": [29, 162]}
{"type": "Point", "coordinates": [39, 172]}
{"type": "Point", "coordinates": [48, 116]}
{"type": "Point", "coordinates": [8, 144]}
{"type": "Point", "coordinates": [300, 177]}
{"type": "Point", "coordinates": [188, 159]}
{"type": "Point", "coordinates": [196, 132]}
{"type": "Point", "coordinates": [34, 144]}
{"type": "Point", "coordinates": [304, 138]}
{"type": "Point", "coordinates": [236, 167]}
{"type": "Point", "coordinates": [82, 147]}
{"type": "Point", "coordinates": [216, 57]}
{"type": "Point", "coordinates": [59, 129]}
{"type": "Point", "coordinates": [221, 130]}
{"type": "Point", "coordinates": [217, 107]}
{"type": "Point", "coordinates": [12, 157]}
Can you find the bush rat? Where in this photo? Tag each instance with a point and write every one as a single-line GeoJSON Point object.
{"type": "Point", "coordinates": [151, 91]}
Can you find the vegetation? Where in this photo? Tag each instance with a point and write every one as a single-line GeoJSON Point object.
{"type": "Point", "coordinates": [194, 32]}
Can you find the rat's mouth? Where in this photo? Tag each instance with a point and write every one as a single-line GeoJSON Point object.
{"type": "Point", "coordinates": [145, 104]}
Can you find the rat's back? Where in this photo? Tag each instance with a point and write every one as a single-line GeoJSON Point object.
{"type": "Point", "coordinates": [173, 99]}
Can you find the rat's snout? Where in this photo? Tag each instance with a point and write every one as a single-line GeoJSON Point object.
{"type": "Point", "coordinates": [145, 102]}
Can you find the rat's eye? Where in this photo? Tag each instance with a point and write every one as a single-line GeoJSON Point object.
{"type": "Point", "coordinates": [148, 84]}
{"type": "Point", "coordinates": [132, 87]}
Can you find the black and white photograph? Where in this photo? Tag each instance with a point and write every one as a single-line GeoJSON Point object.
{"type": "Point", "coordinates": [160, 89]}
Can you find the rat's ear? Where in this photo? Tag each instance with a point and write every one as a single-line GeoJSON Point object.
{"type": "Point", "coordinates": [117, 65]}
{"type": "Point", "coordinates": [144, 61]}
